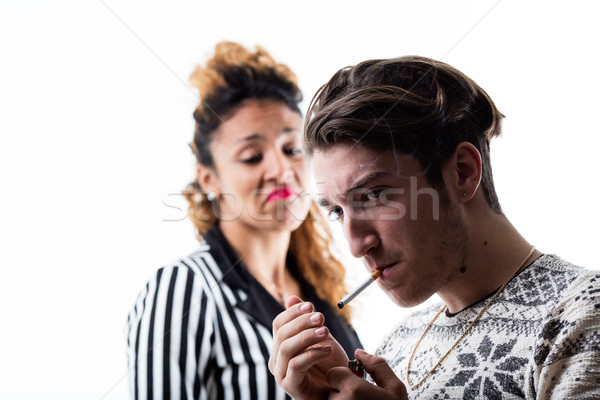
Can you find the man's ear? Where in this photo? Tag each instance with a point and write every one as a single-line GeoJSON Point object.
{"type": "Point", "coordinates": [207, 179]}
{"type": "Point", "coordinates": [463, 172]}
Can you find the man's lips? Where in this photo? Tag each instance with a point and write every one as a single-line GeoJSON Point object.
{"type": "Point", "coordinates": [383, 268]}
{"type": "Point", "coordinates": [374, 268]}
{"type": "Point", "coordinates": [281, 193]}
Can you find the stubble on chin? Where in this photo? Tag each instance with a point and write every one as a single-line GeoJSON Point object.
{"type": "Point", "coordinates": [449, 259]}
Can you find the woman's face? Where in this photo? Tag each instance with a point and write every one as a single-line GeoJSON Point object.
{"type": "Point", "coordinates": [260, 175]}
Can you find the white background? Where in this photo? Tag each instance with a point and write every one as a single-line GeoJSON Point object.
{"type": "Point", "coordinates": [96, 114]}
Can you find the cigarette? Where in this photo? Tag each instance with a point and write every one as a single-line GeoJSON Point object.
{"type": "Point", "coordinates": [359, 289]}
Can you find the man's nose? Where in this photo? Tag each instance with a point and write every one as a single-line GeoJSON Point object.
{"type": "Point", "coordinates": [361, 235]}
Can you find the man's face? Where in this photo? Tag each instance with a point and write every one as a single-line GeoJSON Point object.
{"type": "Point", "coordinates": [393, 218]}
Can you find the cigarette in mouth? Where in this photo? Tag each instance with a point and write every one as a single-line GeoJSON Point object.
{"type": "Point", "coordinates": [359, 289]}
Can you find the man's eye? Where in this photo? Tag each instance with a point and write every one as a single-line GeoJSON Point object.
{"type": "Point", "coordinates": [334, 214]}
{"type": "Point", "coordinates": [373, 194]}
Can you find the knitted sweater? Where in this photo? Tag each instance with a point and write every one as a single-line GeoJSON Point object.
{"type": "Point", "coordinates": [540, 339]}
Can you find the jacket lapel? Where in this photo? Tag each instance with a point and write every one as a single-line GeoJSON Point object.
{"type": "Point", "coordinates": [255, 300]}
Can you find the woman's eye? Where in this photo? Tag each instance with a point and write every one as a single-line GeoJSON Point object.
{"type": "Point", "coordinates": [255, 159]}
{"type": "Point", "coordinates": [293, 151]}
{"type": "Point", "coordinates": [334, 214]}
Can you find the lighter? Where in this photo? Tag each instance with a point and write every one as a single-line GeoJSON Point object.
{"type": "Point", "coordinates": [357, 368]}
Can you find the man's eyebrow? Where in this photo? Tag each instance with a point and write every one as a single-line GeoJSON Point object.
{"type": "Point", "coordinates": [365, 180]}
{"type": "Point", "coordinates": [323, 202]}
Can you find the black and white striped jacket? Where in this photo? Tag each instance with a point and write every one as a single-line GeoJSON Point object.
{"type": "Point", "coordinates": [201, 329]}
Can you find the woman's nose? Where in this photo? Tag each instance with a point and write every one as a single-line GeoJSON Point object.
{"type": "Point", "coordinates": [279, 168]}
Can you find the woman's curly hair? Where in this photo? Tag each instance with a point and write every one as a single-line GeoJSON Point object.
{"type": "Point", "coordinates": [232, 76]}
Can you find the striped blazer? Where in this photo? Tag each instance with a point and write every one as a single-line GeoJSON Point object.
{"type": "Point", "coordinates": [201, 329]}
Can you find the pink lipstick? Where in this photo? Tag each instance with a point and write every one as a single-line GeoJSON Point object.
{"type": "Point", "coordinates": [281, 193]}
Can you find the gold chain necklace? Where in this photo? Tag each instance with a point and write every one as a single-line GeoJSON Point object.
{"type": "Point", "coordinates": [489, 303]}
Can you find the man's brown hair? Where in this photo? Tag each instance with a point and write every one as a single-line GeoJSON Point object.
{"type": "Point", "coordinates": [413, 105]}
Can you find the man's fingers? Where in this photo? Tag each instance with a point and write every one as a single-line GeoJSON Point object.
{"type": "Point", "coordinates": [294, 310]}
{"type": "Point", "coordinates": [380, 371]}
{"type": "Point", "coordinates": [297, 349]}
{"type": "Point", "coordinates": [295, 371]}
{"type": "Point", "coordinates": [343, 379]}
{"type": "Point", "coordinates": [292, 300]}
{"type": "Point", "coordinates": [306, 360]}
{"type": "Point", "coordinates": [302, 374]}
{"type": "Point", "coordinates": [303, 329]}
{"type": "Point", "coordinates": [345, 385]}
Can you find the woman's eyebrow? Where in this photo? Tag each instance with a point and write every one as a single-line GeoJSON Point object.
{"type": "Point", "coordinates": [252, 138]}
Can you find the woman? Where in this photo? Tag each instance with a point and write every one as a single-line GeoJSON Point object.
{"type": "Point", "coordinates": [202, 326]}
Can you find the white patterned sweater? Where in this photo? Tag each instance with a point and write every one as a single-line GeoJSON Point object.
{"type": "Point", "coordinates": [540, 339]}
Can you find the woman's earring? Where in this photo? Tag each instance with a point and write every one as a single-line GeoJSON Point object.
{"type": "Point", "coordinates": [464, 194]}
{"type": "Point", "coordinates": [211, 196]}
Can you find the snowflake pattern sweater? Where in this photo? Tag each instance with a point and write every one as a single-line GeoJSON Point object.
{"type": "Point", "coordinates": [540, 339]}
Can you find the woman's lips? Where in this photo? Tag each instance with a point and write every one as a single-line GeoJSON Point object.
{"type": "Point", "coordinates": [281, 193]}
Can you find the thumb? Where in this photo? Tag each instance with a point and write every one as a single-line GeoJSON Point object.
{"type": "Point", "coordinates": [291, 300]}
{"type": "Point", "coordinates": [380, 371]}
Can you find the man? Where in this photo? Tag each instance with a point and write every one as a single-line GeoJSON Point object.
{"type": "Point", "coordinates": [400, 153]}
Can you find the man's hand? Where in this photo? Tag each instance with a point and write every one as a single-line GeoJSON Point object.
{"type": "Point", "coordinates": [346, 385]}
{"type": "Point", "coordinates": [303, 351]}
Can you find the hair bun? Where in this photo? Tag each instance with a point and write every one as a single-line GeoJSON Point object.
{"type": "Point", "coordinates": [229, 56]}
